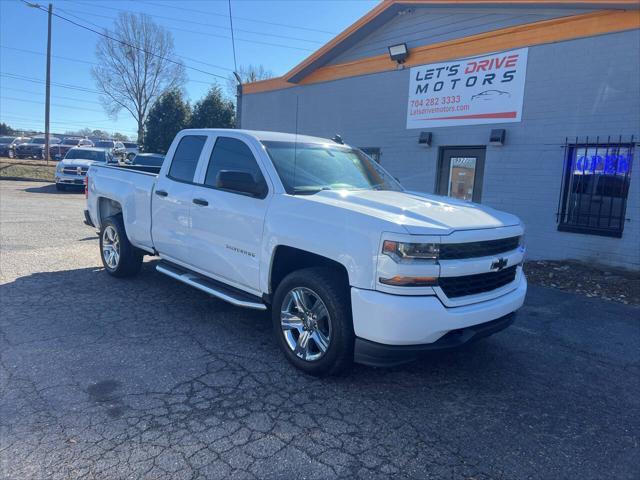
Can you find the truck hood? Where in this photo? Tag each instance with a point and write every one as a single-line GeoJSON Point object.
{"type": "Point", "coordinates": [418, 213]}
{"type": "Point", "coordinates": [77, 162]}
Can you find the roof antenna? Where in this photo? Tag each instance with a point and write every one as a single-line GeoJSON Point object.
{"type": "Point", "coordinates": [295, 146]}
{"type": "Point", "coordinates": [338, 139]}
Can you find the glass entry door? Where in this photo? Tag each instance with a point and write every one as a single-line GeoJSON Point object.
{"type": "Point", "coordinates": [460, 172]}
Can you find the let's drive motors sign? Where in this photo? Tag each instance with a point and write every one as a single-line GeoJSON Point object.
{"type": "Point", "coordinates": [473, 91]}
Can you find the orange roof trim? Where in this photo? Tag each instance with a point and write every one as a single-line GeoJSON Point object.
{"type": "Point", "coordinates": [546, 31]}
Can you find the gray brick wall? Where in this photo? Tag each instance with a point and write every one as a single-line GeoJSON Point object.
{"type": "Point", "coordinates": [581, 87]}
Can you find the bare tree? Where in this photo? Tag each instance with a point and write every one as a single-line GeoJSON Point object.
{"type": "Point", "coordinates": [137, 64]}
{"type": "Point", "coordinates": [248, 74]}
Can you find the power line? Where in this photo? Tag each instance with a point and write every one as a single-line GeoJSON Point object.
{"type": "Point", "coordinates": [297, 27]}
{"type": "Point", "coordinates": [54, 104]}
{"type": "Point", "coordinates": [111, 18]}
{"type": "Point", "coordinates": [40, 81]}
{"type": "Point", "coordinates": [126, 43]}
{"type": "Point", "coordinates": [57, 96]}
{"type": "Point", "coordinates": [191, 22]}
{"type": "Point", "coordinates": [194, 22]}
{"type": "Point", "coordinates": [43, 54]}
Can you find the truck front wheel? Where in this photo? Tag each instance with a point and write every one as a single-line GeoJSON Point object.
{"type": "Point", "coordinates": [312, 321]}
{"type": "Point", "coordinates": [119, 257]}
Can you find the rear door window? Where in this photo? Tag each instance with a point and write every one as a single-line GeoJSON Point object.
{"type": "Point", "coordinates": [186, 156]}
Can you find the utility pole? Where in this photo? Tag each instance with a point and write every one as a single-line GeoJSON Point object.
{"type": "Point", "coordinates": [47, 100]}
{"type": "Point", "coordinates": [238, 100]}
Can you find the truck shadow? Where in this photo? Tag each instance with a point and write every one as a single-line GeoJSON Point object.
{"type": "Point", "coordinates": [90, 304]}
{"type": "Point", "coordinates": [51, 189]}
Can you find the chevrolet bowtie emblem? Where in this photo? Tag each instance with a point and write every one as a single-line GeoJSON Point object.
{"type": "Point", "coordinates": [499, 264]}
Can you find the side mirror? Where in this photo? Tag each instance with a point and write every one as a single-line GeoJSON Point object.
{"type": "Point", "coordinates": [241, 182]}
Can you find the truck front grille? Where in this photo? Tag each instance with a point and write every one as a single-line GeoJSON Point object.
{"type": "Point", "coordinates": [479, 283]}
{"type": "Point", "coordinates": [454, 251]}
{"type": "Point", "coordinates": [74, 170]}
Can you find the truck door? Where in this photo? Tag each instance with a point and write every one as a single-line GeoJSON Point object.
{"type": "Point", "coordinates": [227, 219]}
{"type": "Point", "coordinates": [172, 200]}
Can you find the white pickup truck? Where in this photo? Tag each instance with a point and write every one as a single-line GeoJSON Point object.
{"type": "Point", "coordinates": [351, 265]}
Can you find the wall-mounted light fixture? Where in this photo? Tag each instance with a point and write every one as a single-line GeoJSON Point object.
{"type": "Point", "coordinates": [399, 53]}
{"type": "Point", "coordinates": [425, 138]}
{"type": "Point", "coordinates": [497, 137]}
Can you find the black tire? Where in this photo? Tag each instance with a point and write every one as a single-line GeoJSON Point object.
{"type": "Point", "coordinates": [20, 156]}
{"type": "Point", "coordinates": [60, 187]}
{"type": "Point", "coordinates": [333, 290]}
{"type": "Point", "coordinates": [130, 258]}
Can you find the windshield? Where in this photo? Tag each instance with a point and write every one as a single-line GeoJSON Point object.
{"type": "Point", "coordinates": [311, 167]}
{"type": "Point", "coordinates": [130, 145]}
{"type": "Point", "coordinates": [39, 141]}
{"type": "Point", "coordinates": [78, 153]}
{"type": "Point", "coordinates": [71, 141]}
{"type": "Point", "coordinates": [6, 139]}
{"type": "Point", "coordinates": [104, 144]}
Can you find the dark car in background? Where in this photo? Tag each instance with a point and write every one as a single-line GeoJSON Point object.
{"type": "Point", "coordinates": [8, 145]}
{"type": "Point", "coordinates": [146, 160]}
{"type": "Point", "coordinates": [60, 150]}
{"type": "Point", "coordinates": [34, 148]}
{"type": "Point", "coordinates": [117, 148]}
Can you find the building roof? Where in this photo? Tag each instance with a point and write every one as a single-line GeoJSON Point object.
{"type": "Point", "coordinates": [387, 9]}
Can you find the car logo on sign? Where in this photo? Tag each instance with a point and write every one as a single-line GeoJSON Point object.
{"type": "Point", "coordinates": [499, 264]}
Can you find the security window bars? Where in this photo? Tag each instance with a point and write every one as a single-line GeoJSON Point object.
{"type": "Point", "coordinates": [595, 186]}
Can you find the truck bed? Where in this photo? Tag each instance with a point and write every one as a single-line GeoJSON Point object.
{"type": "Point", "coordinates": [131, 187]}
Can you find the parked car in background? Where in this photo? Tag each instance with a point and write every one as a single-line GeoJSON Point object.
{"type": "Point", "coordinates": [34, 148]}
{"type": "Point", "coordinates": [8, 145]}
{"type": "Point", "coordinates": [146, 160]}
{"type": "Point", "coordinates": [132, 149]}
{"type": "Point", "coordinates": [351, 265]}
{"type": "Point", "coordinates": [71, 171]}
{"type": "Point", "coordinates": [117, 148]}
{"type": "Point", "coordinates": [59, 151]}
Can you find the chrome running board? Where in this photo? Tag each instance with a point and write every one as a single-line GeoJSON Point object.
{"type": "Point", "coordinates": [212, 287]}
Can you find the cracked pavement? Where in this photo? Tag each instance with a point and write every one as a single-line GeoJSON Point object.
{"type": "Point", "coordinates": [147, 378]}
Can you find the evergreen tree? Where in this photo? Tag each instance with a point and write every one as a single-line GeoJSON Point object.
{"type": "Point", "coordinates": [167, 117]}
{"type": "Point", "coordinates": [213, 111]}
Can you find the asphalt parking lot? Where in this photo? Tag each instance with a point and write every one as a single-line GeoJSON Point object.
{"type": "Point", "coordinates": [147, 378]}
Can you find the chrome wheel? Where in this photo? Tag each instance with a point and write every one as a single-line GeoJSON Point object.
{"type": "Point", "coordinates": [110, 247]}
{"type": "Point", "coordinates": [306, 324]}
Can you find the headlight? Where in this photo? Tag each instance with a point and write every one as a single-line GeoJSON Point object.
{"type": "Point", "coordinates": [59, 167]}
{"type": "Point", "coordinates": [408, 252]}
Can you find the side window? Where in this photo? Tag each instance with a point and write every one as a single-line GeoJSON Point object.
{"type": "Point", "coordinates": [233, 155]}
{"type": "Point", "coordinates": [185, 158]}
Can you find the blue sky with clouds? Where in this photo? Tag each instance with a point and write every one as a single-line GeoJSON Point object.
{"type": "Point", "coordinates": [276, 34]}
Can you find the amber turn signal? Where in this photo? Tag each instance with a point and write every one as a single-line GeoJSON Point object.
{"type": "Point", "coordinates": [400, 281]}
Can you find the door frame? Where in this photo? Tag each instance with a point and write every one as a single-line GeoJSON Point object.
{"type": "Point", "coordinates": [479, 173]}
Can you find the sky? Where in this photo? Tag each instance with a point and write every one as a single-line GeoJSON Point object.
{"type": "Point", "coordinates": [276, 34]}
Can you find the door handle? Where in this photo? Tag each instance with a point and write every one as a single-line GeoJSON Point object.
{"type": "Point", "coordinates": [200, 201]}
{"type": "Point", "coordinates": [161, 193]}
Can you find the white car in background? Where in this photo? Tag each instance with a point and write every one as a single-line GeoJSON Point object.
{"type": "Point", "coordinates": [72, 170]}
{"type": "Point", "coordinates": [132, 150]}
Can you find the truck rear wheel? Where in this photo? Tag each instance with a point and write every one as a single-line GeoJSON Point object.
{"type": "Point", "coordinates": [312, 321]}
{"type": "Point", "coordinates": [119, 257]}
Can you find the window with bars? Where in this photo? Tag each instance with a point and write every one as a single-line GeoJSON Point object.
{"type": "Point", "coordinates": [595, 186]}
